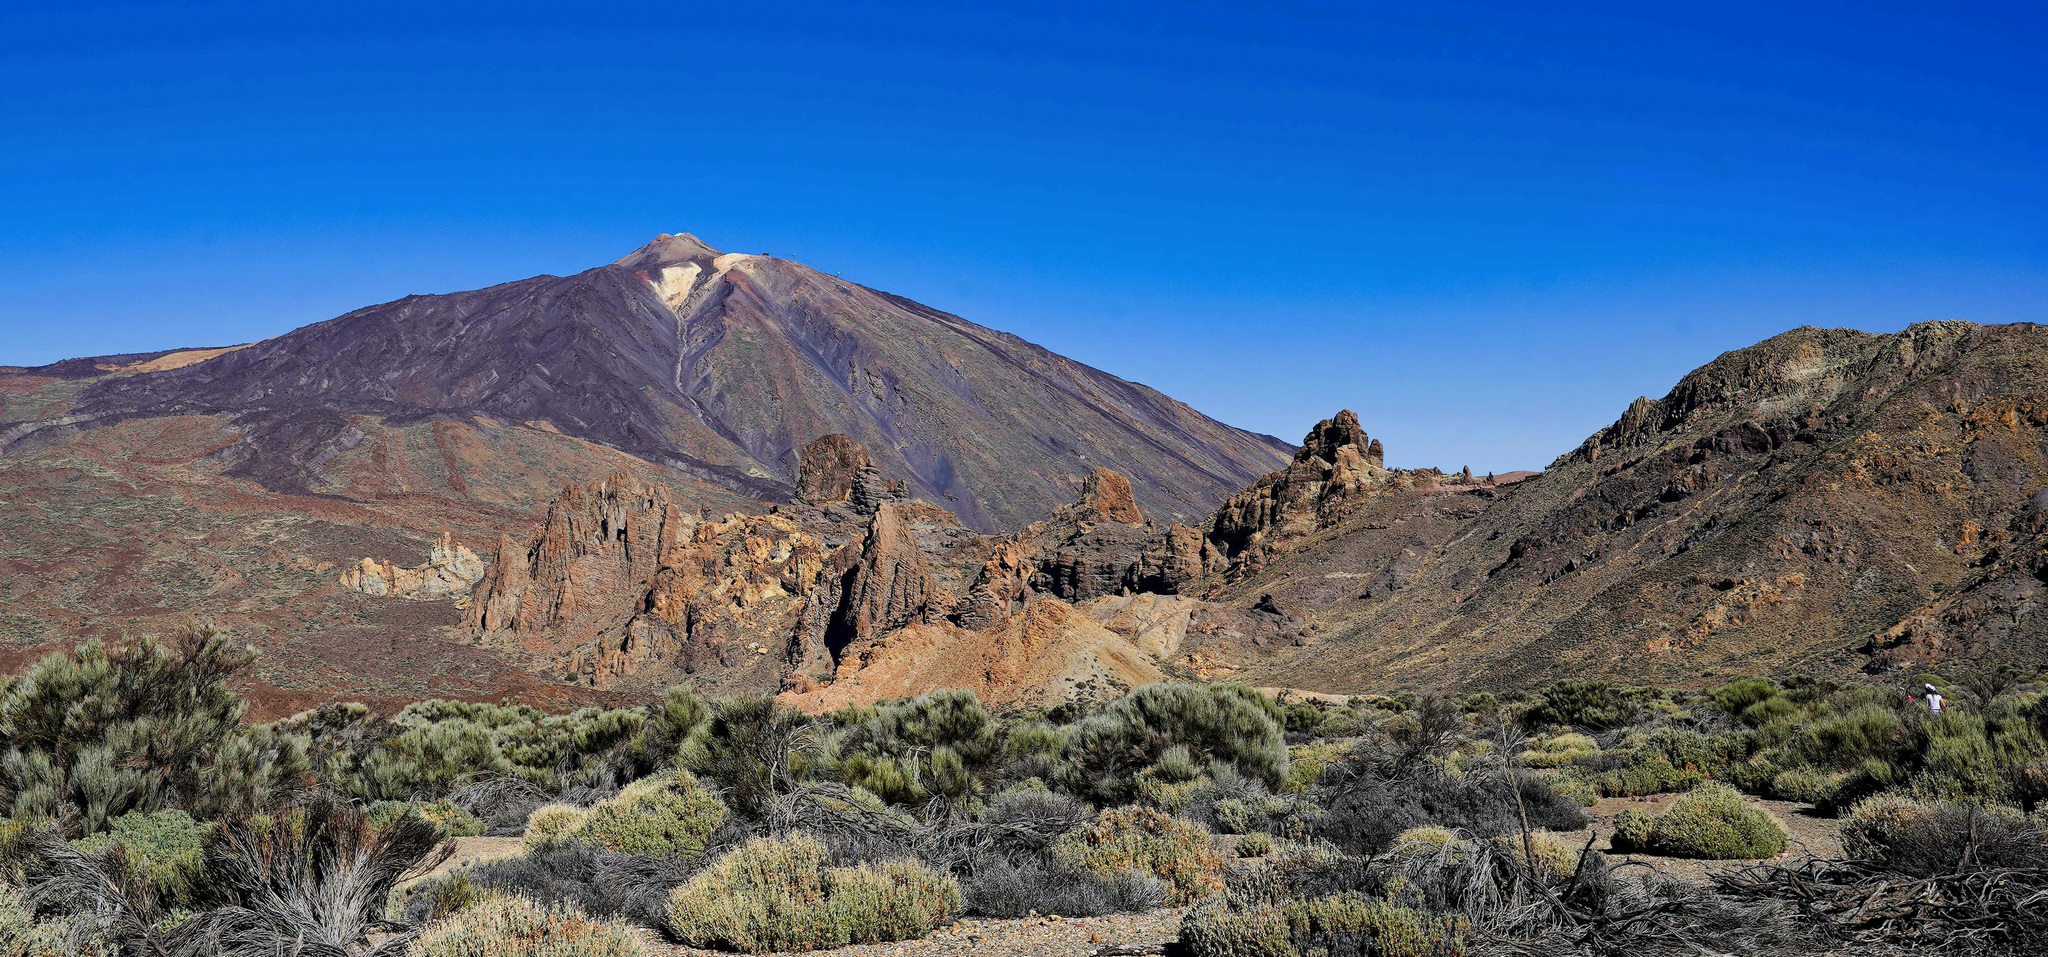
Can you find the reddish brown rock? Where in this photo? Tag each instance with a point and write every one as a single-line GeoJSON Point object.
{"type": "Point", "coordinates": [1337, 468]}
{"type": "Point", "coordinates": [826, 473]}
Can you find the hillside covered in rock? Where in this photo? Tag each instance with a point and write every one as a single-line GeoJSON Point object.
{"type": "Point", "coordinates": [1827, 501]}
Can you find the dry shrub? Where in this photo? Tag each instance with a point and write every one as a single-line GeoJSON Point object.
{"type": "Point", "coordinates": [670, 814]}
{"type": "Point", "coordinates": [772, 895]}
{"type": "Point", "coordinates": [551, 824]}
{"type": "Point", "coordinates": [1144, 840]}
{"type": "Point", "coordinates": [501, 925]}
{"type": "Point", "coordinates": [1339, 924]}
{"type": "Point", "coordinates": [22, 935]}
{"type": "Point", "coordinates": [1923, 839]}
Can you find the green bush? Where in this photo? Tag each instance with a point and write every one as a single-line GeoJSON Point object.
{"type": "Point", "coordinates": [1839, 741]}
{"type": "Point", "coordinates": [1338, 924]}
{"type": "Point", "coordinates": [1144, 840]}
{"type": "Point", "coordinates": [1558, 750]}
{"type": "Point", "coordinates": [95, 734]}
{"type": "Point", "coordinates": [1632, 829]}
{"type": "Point", "coordinates": [748, 747]}
{"type": "Point", "coordinates": [551, 824]}
{"type": "Point", "coordinates": [771, 895]}
{"type": "Point", "coordinates": [1713, 823]}
{"type": "Point", "coordinates": [1591, 704]}
{"type": "Point", "coordinates": [505, 926]}
{"type": "Point", "coordinates": [1736, 697]}
{"type": "Point", "coordinates": [1970, 758]}
{"type": "Point", "coordinates": [1646, 773]}
{"type": "Point", "coordinates": [449, 820]}
{"type": "Point", "coordinates": [1221, 725]}
{"type": "Point", "coordinates": [658, 817]}
{"type": "Point", "coordinates": [944, 745]}
{"type": "Point", "coordinates": [165, 849]}
{"type": "Point", "coordinates": [1306, 763]}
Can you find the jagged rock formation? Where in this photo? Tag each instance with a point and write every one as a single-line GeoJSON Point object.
{"type": "Point", "coordinates": [618, 587]}
{"type": "Point", "coordinates": [450, 570]}
{"type": "Point", "coordinates": [1337, 467]}
{"type": "Point", "coordinates": [829, 469]}
{"type": "Point", "coordinates": [717, 365]}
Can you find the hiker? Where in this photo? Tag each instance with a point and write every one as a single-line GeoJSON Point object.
{"type": "Point", "coordinates": [1933, 700]}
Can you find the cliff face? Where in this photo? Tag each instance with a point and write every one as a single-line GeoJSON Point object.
{"type": "Point", "coordinates": [719, 365]}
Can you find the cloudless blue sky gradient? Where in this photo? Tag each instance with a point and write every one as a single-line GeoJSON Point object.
{"type": "Point", "coordinates": [1484, 227]}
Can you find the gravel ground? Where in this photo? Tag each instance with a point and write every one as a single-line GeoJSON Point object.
{"type": "Point", "coordinates": [1146, 933]}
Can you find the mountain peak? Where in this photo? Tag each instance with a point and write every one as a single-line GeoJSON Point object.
{"type": "Point", "coordinates": [667, 250]}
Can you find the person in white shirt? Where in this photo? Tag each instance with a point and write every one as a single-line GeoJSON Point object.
{"type": "Point", "coordinates": [1933, 700]}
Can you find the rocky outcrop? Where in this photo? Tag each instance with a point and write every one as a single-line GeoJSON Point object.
{"type": "Point", "coordinates": [1105, 497]}
{"type": "Point", "coordinates": [1337, 467]}
{"type": "Point", "coordinates": [451, 571]}
{"type": "Point", "coordinates": [827, 470]}
{"type": "Point", "coordinates": [891, 586]}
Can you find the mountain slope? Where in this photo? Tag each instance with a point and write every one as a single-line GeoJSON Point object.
{"type": "Point", "coordinates": [721, 366]}
{"type": "Point", "coordinates": [1824, 501]}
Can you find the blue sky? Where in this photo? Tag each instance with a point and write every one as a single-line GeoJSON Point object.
{"type": "Point", "coordinates": [1485, 228]}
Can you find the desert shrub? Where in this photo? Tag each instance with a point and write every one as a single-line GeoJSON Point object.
{"type": "Point", "coordinates": [1306, 763]}
{"type": "Point", "coordinates": [1923, 839]}
{"type": "Point", "coordinates": [1754, 774]}
{"type": "Point", "coordinates": [1144, 840]}
{"type": "Point", "coordinates": [1969, 757]}
{"type": "Point", "coordinates": [1712, 822]}
{"type": "Point", "coordinates": [1221, 725]}
{"type": "Point", "coordinates": [1572, 785]}
{"type": "Point", "coordinates": [1005, 888]}
{"type": "Point", "coordinates": [449, 820]}
{"type": "Point", "coordinates": [430, 759]}
{"type": "Point", "coordinates": [771, 895]}
{"type": "Point", "coordinates": [95, 734]}
{"type": "Point", "coordinates": [1351, 923]}
{"type": "Point", "coordinates": [1646, 772]}
{"type": "Point", "coordinates": [1844, 740]}
{"type": "Point", "coordinates": [551, 824]}
{"type": "Point", "coordinates": [660, 816]}
{"type": "Point", "coordinates": [164, 849]}
{"type": "Point", "coordinates": [1367, 801]}
{"type": "Point", "coordinates": [1255, 845]}
{"type": "Point", "coordinates": [1590, 704]}
{"type": "Point", "coordinates": [501, 925]}
{"type": "Point", "coordinates": [593, 879]}
{"type": "Point", "coordinates": [1558, 750]}
{"type": "Point", "coordinates": [943, 745]}
{"type": "Point", "coordinates": [1632, 829]}
{"type": "Point", "coordinates": [434, 898]}
{"type": "Point", "coordinates": [748, 748]}
{"type": "Point", "coordinates": [1736, 697]}
{"type": "Point", "coordinates": [23, 935]}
